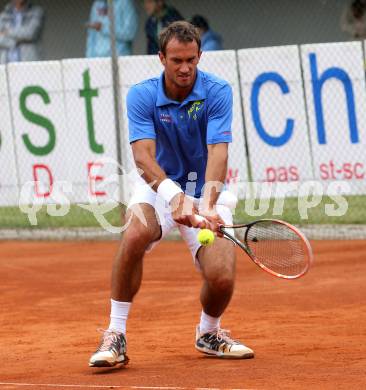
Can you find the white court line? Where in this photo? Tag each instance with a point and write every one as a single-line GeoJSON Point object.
{"type": "Point", "coordinates": [110, 386]}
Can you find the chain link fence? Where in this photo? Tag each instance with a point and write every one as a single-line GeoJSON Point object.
{"type": "Point", "coordinates": [298, 123]}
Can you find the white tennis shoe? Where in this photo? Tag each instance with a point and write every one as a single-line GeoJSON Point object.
{"type": "Point", "coordinates": [111, 351]}
{"type": "Point", "coordinates": [220, 344]}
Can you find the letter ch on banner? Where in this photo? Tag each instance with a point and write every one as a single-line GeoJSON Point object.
{"type": "Point", "coordinates": [318, 83]}
{"type": "Point", "coordinates": [257, 85]}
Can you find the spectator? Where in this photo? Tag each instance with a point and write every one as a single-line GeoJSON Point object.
{"type": "Point", "coordinates": [160, 15]}
{"type": "Point", "coordinates": [98, 37]}
{"type": "Point", "coordinates": [21, 25]}
{"type": "Point", "coordinates": [209, 39]}
{"type": "Point", "coordinates": [354, 19]}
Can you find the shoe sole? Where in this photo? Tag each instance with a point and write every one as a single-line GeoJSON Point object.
{"type": "Point", "coordinates": [248, 355]}
{"type": "Point", "coordinates": [105, 363]}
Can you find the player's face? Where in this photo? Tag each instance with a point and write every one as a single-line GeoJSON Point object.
{"type": "Point", "coordinates": [180, 63]}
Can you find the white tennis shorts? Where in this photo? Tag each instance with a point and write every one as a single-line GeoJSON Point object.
{"type": "Point", "coordinates": [144, 194]}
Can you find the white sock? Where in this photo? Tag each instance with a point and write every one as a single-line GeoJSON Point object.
{"type": "Point", "coordinates": [119, 314]}
{"type": "Point", "coordinates": [208, 323]}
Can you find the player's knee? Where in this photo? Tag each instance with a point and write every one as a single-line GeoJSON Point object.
{"type": "Point", "coordinates": [138, 235]}
{"type": "Point", "coordinates": [222, 282]}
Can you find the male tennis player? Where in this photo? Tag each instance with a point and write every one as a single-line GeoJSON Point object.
{"type": "Point", "coordinates": [179, 130]}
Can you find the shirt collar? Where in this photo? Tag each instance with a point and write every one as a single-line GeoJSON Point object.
{"type": "Point", "coordinates": [198, 92]}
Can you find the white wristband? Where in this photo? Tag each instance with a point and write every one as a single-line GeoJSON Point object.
{"type": "Point", "coordinates": [168, 189]}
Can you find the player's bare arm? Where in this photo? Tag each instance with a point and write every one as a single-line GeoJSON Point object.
{"type": "Point", "coordinates": [144, 152]}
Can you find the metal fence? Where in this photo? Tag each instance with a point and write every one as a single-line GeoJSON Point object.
{"type": "Point", "coordinates": [298, 128]}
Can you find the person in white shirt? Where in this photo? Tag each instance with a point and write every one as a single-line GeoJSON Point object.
{"type": "Point", "coordinates": [21, 25]}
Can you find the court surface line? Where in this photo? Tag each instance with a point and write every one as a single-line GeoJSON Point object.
{"type": "Point", "coordinates": [112, 386]}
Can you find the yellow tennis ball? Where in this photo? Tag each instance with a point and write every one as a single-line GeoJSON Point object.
{"type": "Point", "coordinates": [205, 237]}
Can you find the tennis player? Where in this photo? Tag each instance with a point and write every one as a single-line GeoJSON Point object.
{"type": "Point", "coordinates": [179, 130]}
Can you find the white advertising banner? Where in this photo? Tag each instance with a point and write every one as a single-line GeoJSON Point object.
{"type": "Point", "coordinates": [8, 174]}
{"type": "Point", "coordinates": [58, 135]}
{"type": "Point", "coordinates": [334, 78]}
{"type": "Point", "coordinates": [275, 116]}
{"type": "Point", "coordinates": [91, 129]}
{"type": "Point", "coordinates": [223, 64]}
{"type": "Point", "coordinates": [42, 144]}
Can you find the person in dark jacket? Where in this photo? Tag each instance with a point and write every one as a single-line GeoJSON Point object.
{"type": "Point", "coordinates": [160, 15]}
{"type": "Point", "coordinates": [353, 19]}
{"type": "Point", "coordinates": [210, 40]}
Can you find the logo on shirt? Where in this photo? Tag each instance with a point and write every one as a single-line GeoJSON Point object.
{"type": "Point", "coordinates": [195, 107]}
{"type": "Point", "coordinates": [165, 118]}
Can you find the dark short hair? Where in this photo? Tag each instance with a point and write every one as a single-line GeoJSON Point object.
{"type": "Point", "coordinates": [182, 31]}
{"type": "Point", "coordinates": [200, 22]}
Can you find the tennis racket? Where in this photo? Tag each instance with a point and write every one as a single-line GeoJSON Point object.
{"type": "Point", "coordinates": [277, 247]}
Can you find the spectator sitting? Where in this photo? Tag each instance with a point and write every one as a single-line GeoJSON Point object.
{"type": "Point", "coordinates": [98, 36]}
{"type": "Point", "coordinates": [354, 19]}
{"type": "Point", "coordinates": [209, 39]}
{"type": "Point", "coordinates": [21, 25]}
{"type": "Point", "coordinates": [160, 15]}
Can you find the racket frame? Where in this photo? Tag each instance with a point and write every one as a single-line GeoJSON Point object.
{"type": "Point", "coordinates": [298, 232]}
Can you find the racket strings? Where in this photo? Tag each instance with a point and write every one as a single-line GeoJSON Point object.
{"type": "Point", "coordinates": [276, 247]}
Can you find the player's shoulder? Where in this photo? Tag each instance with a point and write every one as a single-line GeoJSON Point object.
{"type": "Point", "coordinates": [209, 79]}
{"type": "Point", "coordinates": [214, 84]}
{"type": "Point", "coordinates": [148, 85]}
{"type": "Point", "coordinates": [145, 91]}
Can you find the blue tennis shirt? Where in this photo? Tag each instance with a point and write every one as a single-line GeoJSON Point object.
{"type": "Point", "coordinates": [182, 130]}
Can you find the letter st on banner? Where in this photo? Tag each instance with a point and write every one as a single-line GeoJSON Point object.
{"type": "Point", "coordinates": [64, 130]}
{"type": "Point", "coordinates": [275, 115]}
{"type": "Point", "coordinates": [334, 77]}
{"type": "Point", "coordinates": [8, 174]}
{"type": "Point", "coordinates": [43, 148]}
{"type": "Point", "coordinates": [223, 64]}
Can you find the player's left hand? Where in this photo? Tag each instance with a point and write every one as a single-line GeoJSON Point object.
{"type": "Point", "coordinates": [214, 219]}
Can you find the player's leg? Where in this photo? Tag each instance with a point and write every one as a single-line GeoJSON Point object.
{"type": "Point", "coordinates": [217, 263]}
{"type": "Point", "coordinates": [127, 267]}
{"type": "Point", "coordinates": [126, 281]}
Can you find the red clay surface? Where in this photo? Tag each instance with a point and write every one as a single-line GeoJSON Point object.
{"type": "Point", "coordinates": [307, 334]}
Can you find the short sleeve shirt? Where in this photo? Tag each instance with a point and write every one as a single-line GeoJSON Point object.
{"type": "Point", "coordinates": [182, 130]}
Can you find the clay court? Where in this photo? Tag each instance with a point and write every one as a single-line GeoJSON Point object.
{"type": "Point", "coordinates": [307, 334]}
